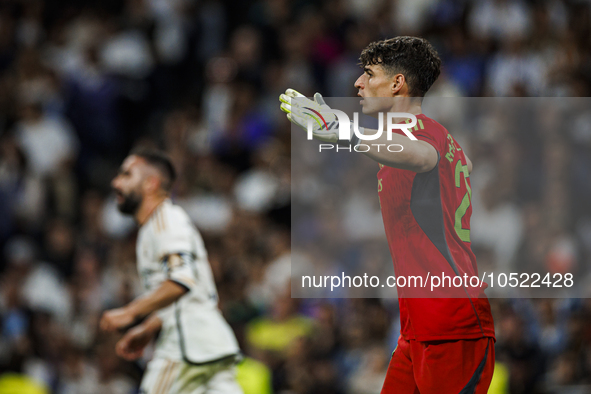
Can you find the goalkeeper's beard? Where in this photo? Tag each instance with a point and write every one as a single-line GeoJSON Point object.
{"type": "Point", "coordinates": [130, 204]}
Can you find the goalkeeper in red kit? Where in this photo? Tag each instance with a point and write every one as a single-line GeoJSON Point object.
{"type": "Point", "coordinates": [447, 339]}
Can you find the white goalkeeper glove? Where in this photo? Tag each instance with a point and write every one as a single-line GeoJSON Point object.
{"type": "Point", "coordinates": [325, 125]}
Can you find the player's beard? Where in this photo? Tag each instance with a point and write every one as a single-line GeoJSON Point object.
{"type": "Point", "coordinates": [131, 203]}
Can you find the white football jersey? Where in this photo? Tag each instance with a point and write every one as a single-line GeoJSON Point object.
{"type": "Point", "coordinates": [193, 328]}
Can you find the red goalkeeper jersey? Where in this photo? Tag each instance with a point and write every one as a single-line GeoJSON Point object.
{"type": "Point", "coordinates": [427, 222]}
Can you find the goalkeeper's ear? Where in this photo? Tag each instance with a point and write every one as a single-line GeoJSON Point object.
{"type": "Point", "coordinates": [319, 99]}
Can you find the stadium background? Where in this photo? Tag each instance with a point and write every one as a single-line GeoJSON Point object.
{"type": "Point", "coordinates": [82, 82]}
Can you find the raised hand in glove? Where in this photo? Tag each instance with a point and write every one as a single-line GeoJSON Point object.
{"type": "Point", "coordinates": [325, 125]}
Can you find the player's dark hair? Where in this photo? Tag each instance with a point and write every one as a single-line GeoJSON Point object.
{"type": "Point", "coordinates": [414, 57]}
{"type": "Point", "coordinates": [159, 160]}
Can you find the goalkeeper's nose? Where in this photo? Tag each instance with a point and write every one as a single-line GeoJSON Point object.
{"type": "Point", "coordinates": [360, 84]}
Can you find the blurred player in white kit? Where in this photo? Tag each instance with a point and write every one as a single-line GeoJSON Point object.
{"type": "Point", "coordinates": [196, 350]}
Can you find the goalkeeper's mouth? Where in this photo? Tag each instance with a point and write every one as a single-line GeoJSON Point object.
{"type": "Point", "coordinates": [362, 101]}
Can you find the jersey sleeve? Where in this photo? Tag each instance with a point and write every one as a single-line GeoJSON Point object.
{"type": "Point", "coordinates": [177, 254]}
{"type": "Point", "coordinates": [426, 131]}
{"type": "Point", "coordinates": [424, 136]}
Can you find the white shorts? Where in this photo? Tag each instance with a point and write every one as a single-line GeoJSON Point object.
{"type": "Point", "coordinates": [164, 376]}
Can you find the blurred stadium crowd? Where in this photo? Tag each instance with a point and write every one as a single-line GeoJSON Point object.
{"type": "Point", "coordinates": [82, 82]}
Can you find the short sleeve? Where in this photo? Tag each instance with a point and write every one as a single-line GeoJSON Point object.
{"type": "Point", "coordinates": [429, 131]}
{"type": "Point", "coordinates": [427, 138]}
{"type": "Point", "coordinates": [177, 255]}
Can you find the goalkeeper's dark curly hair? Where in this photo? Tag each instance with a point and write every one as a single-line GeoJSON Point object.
{"type": "Point", "coordinates": [414, 57]}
